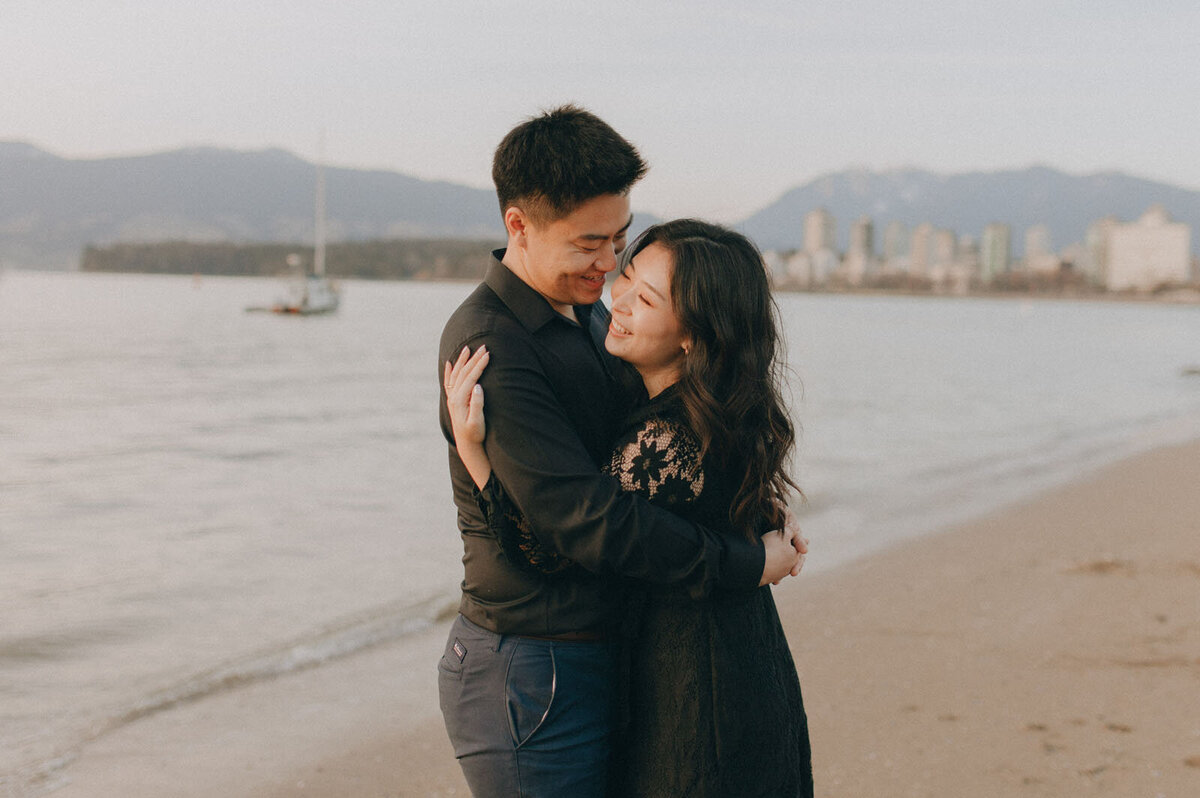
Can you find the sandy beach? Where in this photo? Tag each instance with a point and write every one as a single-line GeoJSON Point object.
{"type": "Point", "coordinates": [1051, 649]}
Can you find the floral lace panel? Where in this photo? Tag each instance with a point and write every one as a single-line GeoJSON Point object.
{"type": "Point", "coordinates": [512, 532]}
{"type": "Point", "coordinates": [521, 547]}
{"type": "Point", "coordinates": [661, 462]}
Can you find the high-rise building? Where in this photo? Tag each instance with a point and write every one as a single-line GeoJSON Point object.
{"type": "Point", "coordinates": [1095, 262]}
{"type": "Point", "coordinates": [921, 253]}
{"type": "Point", "coordinates": [1150, 252]}
{"type": "Point", "coordinates": [860, 256]}
{"type": "Point", "coordinates": [967, 257]}
{"type": "Point", "coordinates": [895, 241]}
{"type": "Point", "coordinates": [820, 230]}
{"type": "Point", "coordinates": [1037, 241]}
{"type": "Point", "coordinates": [1039, 256]}
{"type": "Point", "coordinates": [862, 236]}
{"type": "Point", "coordinates": [799, 269]}
{"type": "Point", "coordinates": [773, 263]}
{"type": "Point", "coordinates": [895, 247]}
{"type": "Point", "coordinates": [944, 249]}
{"type": "Point", "coordinates": [824, 263]}
{"type": "Point", "coordinates": [995, 251]}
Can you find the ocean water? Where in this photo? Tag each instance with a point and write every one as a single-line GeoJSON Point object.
{"type": "Point", "coordinates": [193, 497]}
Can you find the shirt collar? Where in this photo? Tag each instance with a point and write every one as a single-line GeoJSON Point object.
{"type": "Point", "coordinates": [530, 307]}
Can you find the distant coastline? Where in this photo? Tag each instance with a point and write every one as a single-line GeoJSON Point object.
{"type": "Point", "coordinates": [462, 259]}
{"type": "Point", "coordinates": [1187, 295]}
{"type": "Point", "coordinates": [398, 259]}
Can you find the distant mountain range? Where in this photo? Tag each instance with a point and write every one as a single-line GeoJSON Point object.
{"type": "Point", "coordinates": [966, 203]}
{"type": "Point", "coordinates": [52, 207]}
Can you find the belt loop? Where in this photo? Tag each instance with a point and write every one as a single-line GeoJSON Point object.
{"type": "Point", "coordinates": [499, 642]}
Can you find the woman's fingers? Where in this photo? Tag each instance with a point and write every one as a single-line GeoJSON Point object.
{"type": "Point", "coordinates": [455, 368]}
{"type": "Point", "coordinates": [475, 405]}
{"type": "Point", "coordinates": [464, 395]}
{"type": "Point", "coordinates": [467, 377]}
{"type": "Point", "coordinates": [463, 356]}
{"type": "Point", "coordinates": [475, 366]}
{"type": "Point", "coordinates": [466, 369]}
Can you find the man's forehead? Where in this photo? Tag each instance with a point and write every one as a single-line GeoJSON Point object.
{"type": "Point", "coordinates": [599, 223]}
{"type": "Point", "coordinates": [604, 206]}
{"type": "Point", "coordinates": [595, 235]}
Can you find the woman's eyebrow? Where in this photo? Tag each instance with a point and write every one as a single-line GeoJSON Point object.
{"type": "Point", "coordinates": [629, 267]}
{"type": "Point", "coordinates": [655, 291]}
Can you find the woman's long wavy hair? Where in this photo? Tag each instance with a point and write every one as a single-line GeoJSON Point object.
{"type": "Point", "coordinates": [732, 376]}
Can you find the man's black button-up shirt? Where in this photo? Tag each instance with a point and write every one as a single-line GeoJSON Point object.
{"type": "Point", "coordinates": [554, 402]}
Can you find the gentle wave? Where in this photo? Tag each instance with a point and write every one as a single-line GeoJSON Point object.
{"type": "Point", "coordinates": [347, 636]}
{"type": "Point", "coordinates": [340, 639]}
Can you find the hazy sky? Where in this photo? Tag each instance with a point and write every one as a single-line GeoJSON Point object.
{"type": "Point", "coordinates": [732, 103]}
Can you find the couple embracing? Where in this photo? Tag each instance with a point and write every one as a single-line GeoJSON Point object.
{"type": "Point", "coordinates": [621, 491]}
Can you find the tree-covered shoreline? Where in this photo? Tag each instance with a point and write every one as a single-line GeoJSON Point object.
{"type": "Point", "coordinates": [393, 259]}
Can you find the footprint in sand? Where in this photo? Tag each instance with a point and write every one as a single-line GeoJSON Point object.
{"type": "Point", "coordinates": [1103, 567]}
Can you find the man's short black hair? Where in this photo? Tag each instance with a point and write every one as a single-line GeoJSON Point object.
{"type": "Point", "coordinates": [551, 164]}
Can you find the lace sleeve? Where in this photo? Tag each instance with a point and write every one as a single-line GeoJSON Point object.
{"type": "Point", "coordinates": [661, 461]}
{"type": "Point", "coordinates": [512, 532]}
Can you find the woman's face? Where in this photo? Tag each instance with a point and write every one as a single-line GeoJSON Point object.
{"type": "Point", "coordinates": [645, 331]}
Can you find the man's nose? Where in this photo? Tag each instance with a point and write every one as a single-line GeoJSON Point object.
{"type": "Point", "coordinates": [606, 258]}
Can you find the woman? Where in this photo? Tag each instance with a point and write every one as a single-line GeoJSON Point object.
{"type": "Point", "coordinates": [712, 701]}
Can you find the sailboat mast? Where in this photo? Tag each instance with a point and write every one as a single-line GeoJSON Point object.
{"type": "Point", "coordinates": [319, 229]}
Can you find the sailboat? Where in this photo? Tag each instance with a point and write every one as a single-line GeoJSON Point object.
{"type": "Point", "coordinates": [313, 293]}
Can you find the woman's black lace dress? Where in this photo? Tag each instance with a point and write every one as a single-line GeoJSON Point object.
{"type": "Point", "coordinates": [711, 700]}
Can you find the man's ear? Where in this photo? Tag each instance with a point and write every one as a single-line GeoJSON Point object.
{"type": "Point", "coordinates": [516, 223]}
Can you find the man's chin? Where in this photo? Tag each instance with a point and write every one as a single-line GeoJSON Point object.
{"type": "Point", "coordinates": [587, 295]}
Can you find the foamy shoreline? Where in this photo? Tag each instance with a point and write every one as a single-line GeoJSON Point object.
{"type": "Point", "coordinates": [1048, 649]}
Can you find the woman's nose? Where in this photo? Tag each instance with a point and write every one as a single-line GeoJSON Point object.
{"type": "Point", "coordinates": [617, 300]}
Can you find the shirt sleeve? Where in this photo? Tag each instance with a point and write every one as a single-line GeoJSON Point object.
{"type": "Point", "coordinates": [575, 510]}
{"type": "Point", "coordinates": [511, 530]}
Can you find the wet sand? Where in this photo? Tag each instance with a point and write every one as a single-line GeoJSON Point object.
{"type": "Point", "coordinates": [1050, 649]}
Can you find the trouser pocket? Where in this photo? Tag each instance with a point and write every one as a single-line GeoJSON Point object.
{"type": "Point", "coordinates": [470, 688]}
{"type": "Point", "coordinates": [450, 666]}
{"type": "Point", "coordinates": [529, 688]}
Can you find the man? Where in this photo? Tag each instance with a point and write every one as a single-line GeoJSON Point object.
{"type": "Point", "coordinates": [526, 682]}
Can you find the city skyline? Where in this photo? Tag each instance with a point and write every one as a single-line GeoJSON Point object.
{"type": "Point", "coordinates": [1146, 254]}
{"type": "Point", "coordinates": [731, 106]}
